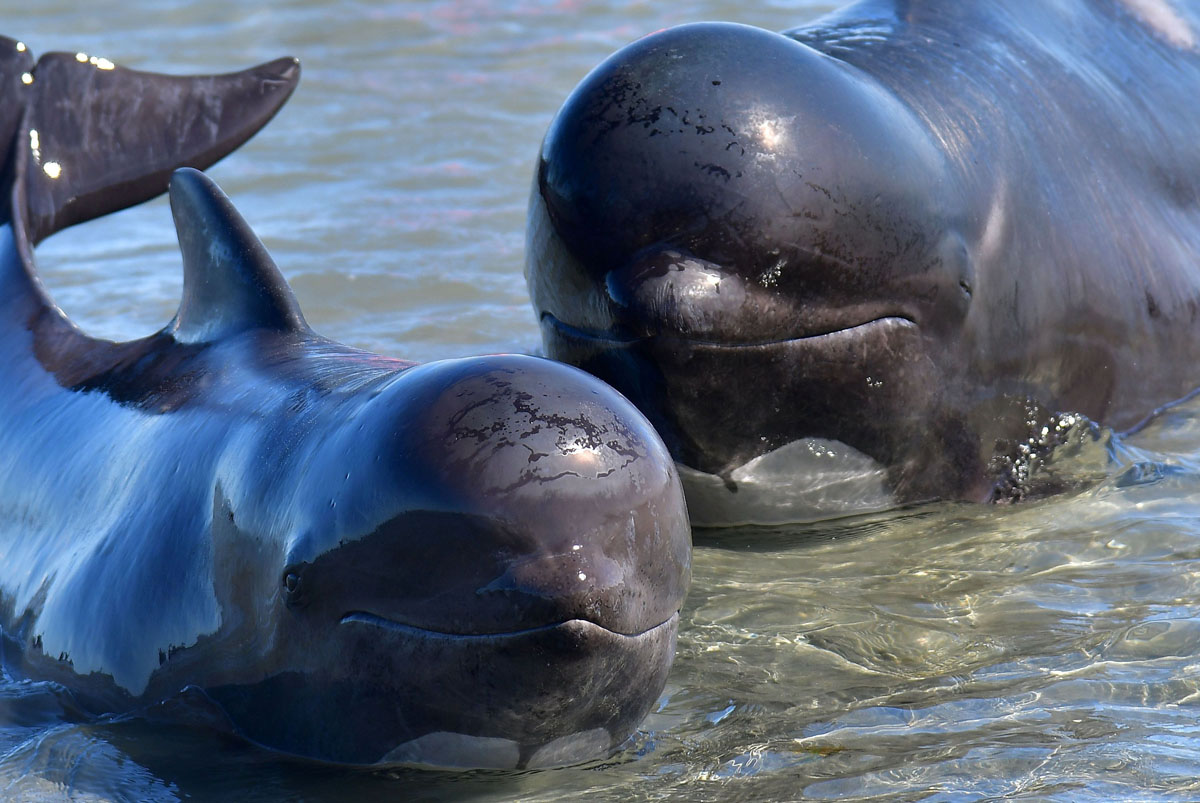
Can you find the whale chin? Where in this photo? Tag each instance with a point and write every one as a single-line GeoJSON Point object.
{"type": "Point", "coordinates": [602, 655]}
{"type": "Point", "coordinates": [807, 480]}
{"type": "Point", "coordinates": [387, 693]}
{"type": "Point", "coordinates": [447, 750]}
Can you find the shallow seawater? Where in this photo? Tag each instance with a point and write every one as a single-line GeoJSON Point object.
{"type": "Point", "coordinates": [1046, 650]}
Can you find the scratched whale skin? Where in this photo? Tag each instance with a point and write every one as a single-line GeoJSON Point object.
{"type": "Point", "coordinates": [476, 562]}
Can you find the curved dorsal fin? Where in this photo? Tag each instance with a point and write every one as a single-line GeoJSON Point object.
{"type": "Point", "coordinates": [230, 282]}
{"type": "Point", "coordinates": [100, 137]}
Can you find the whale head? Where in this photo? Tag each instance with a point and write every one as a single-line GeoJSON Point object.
{"type": "Point", "coordinates": [490, 574]}
{"type": "Point", "coordinates": [476, 562]}
{"type": "Point", "coordinates": [756, 243]}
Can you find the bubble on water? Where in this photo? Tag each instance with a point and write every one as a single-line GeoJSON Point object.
{"type": "Point", "coordinates": [1062, 451]}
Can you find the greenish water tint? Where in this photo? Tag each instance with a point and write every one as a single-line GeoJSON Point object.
{"type": "Point", "coordinates": [1049, 650]}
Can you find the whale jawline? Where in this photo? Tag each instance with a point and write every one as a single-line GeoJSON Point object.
{"type": "Point", "coordinates": [374, 620]}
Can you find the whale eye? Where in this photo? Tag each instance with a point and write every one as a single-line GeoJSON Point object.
{"type": "Point", "coordinates": [294, 587]}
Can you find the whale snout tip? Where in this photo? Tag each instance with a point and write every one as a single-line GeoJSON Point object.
{"type": "Point", "coordinates": [530, 582]}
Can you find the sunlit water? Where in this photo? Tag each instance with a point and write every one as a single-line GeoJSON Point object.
{"type": "Point", "coordinates": [952, 652]}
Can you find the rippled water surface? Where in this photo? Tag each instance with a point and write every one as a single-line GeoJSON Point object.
{"type": "Point", "coordinates": [1046, 650]}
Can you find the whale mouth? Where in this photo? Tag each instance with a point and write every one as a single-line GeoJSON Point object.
{"type": "Point", "coordinates": [548, 696]}
{"type": "Point", "coordinates": [719, 404]}
{"type": "Point", "coordinates": [388, 693]}
{"type": "Point", "coordinates": [413, 631]}
{"type": "Point", "coordinates": [815, 340]}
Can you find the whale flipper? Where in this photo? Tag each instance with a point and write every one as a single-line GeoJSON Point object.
{"type": "Point", "coordinates": [230, 282]}
{"type": "Point", "coordinates": [97, 138]}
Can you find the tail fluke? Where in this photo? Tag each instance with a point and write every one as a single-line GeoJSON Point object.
{"type": "Point", "coordinates": [96, 138]}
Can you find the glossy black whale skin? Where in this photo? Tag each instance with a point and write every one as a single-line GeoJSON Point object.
{"type": "Point", "coordinates": [475, 562]}
{"type": "Point", "coordinates": [917, 228]}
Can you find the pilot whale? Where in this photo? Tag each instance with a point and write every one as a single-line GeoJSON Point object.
{"type": "Point", "coordinates": [342, 556]}
{"type": "Point", "coordinates": [475, 562]}
{"type": "Point", "coordinates": [912, 233]}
